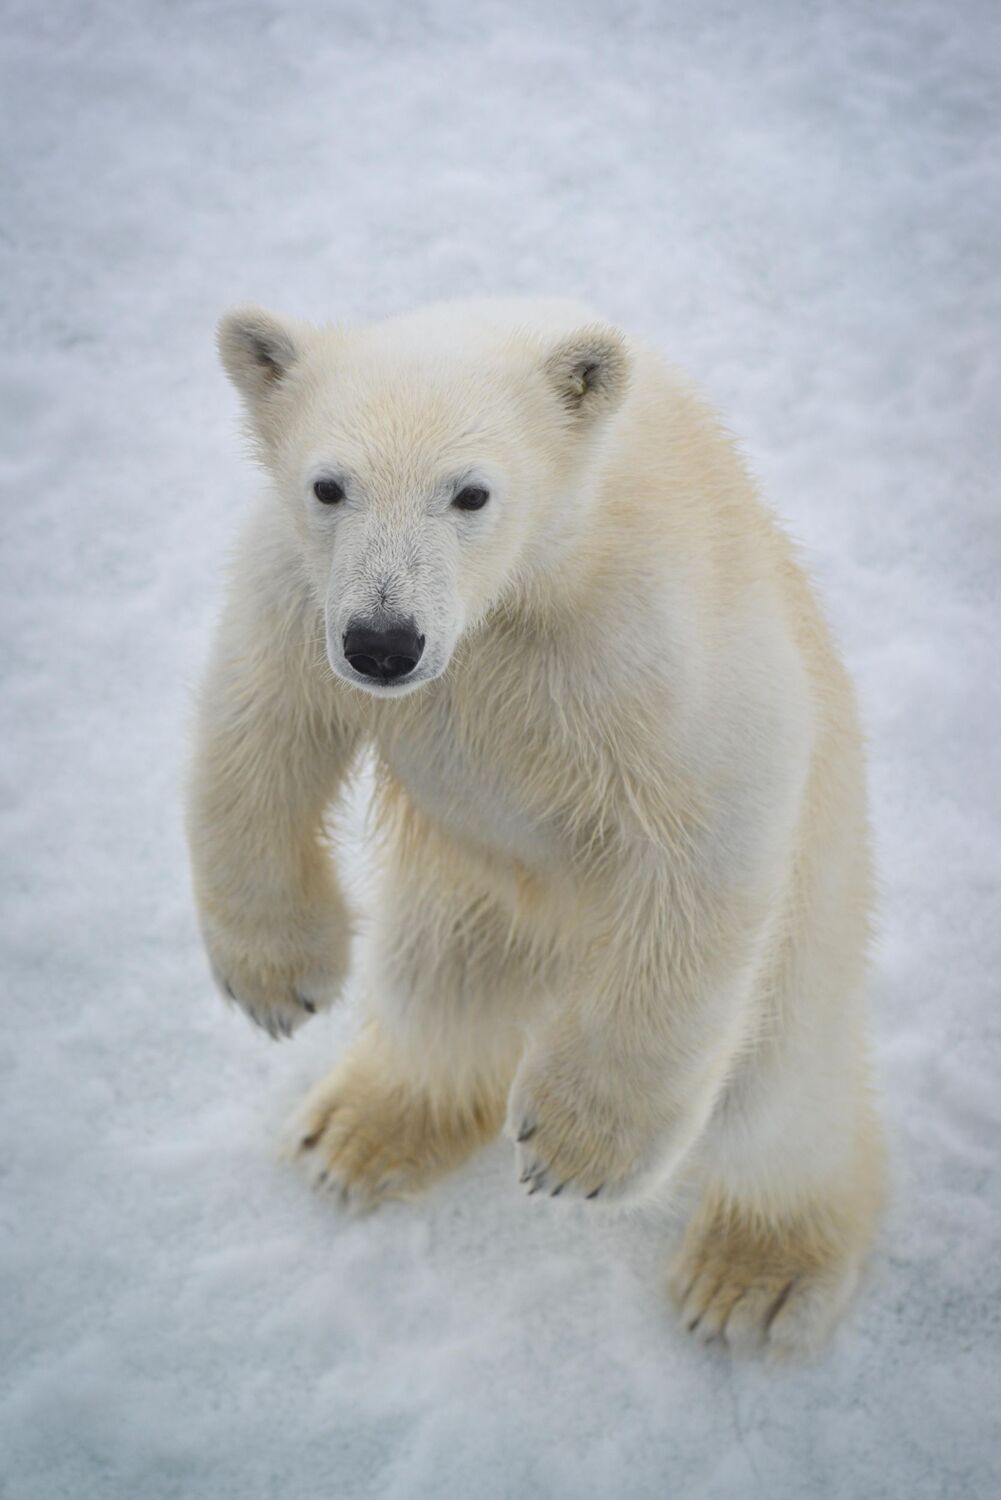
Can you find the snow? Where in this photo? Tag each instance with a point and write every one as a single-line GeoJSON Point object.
{"type": "Point", "coordinates": [800, 203]}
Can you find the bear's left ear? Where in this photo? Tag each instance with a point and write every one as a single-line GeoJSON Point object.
{"type": "Point", "coordinates": [589, 371]}
{"type": "Point", "coordinates": [258, 350]}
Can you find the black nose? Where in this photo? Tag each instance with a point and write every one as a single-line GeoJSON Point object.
{"type": "Point", "coordinates": [385, 654]}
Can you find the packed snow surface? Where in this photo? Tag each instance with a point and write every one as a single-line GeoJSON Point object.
{"type": "Point", "coordinates": [800, 203]}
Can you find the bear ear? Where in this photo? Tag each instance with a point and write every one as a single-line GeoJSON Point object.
{"type": "Point", "coordinates": [589, 371]}
{"type": "Point", "coordinates": [258, 350]}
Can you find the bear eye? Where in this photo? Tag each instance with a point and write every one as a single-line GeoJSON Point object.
{"type": "Point", "coordinates": [328, 491]}
{"type": "Point", "coordinates": [471, 497]}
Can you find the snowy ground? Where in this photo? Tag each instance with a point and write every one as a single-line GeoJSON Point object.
{"type": "Point", "coordinates": [800, 202]}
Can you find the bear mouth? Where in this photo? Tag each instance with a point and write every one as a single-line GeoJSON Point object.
{"type": "Point", "coordinates": [382, 687]}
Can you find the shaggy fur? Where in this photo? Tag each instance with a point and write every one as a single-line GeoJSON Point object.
{"type": "Point", "coordinates": [625, 879]}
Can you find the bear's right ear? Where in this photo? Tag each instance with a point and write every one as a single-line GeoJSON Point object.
{"type": "Point", "coordinates": [589, 371]}
{"type": "Point", "coordinates": [258, 350]}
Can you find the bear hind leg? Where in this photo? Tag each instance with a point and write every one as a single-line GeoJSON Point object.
{"type": "Point", "coordinates": [772, 1257]}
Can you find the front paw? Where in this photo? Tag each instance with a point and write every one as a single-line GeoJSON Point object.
{"type": "Point", "coordinates": [279, 979]}
{"type": "Point", "coordinates": [575, 1137]}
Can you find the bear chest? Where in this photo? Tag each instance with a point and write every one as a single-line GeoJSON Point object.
{"type": "Point", "coordinates": [474, 802]}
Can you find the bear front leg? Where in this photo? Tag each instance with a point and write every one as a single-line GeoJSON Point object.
{"type": "Point", "coordinates": [271, 751]}
{"type": "Point", "coordinates": [590, 1123]}
{"type": "Point", "coordinates": [285, 967]}
{"type": "Point", "coordinates": [619, 1080]}
{"type": "Point", "coordinates": [426, 1082]}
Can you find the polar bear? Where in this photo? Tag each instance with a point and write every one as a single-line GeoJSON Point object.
{"type": "Point", "coordinates": [624, 894]}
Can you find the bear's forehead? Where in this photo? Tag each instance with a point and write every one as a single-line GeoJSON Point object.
{"type": "Point", "coordinates": [421, 413]}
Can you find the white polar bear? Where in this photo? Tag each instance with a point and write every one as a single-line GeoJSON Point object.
{"type": "Point", "coordinates": [625, 880]}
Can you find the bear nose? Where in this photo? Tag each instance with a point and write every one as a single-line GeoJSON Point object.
{"type": "Point", "coordinates": [384, 653]}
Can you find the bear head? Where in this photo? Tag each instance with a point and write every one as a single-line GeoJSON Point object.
{"type": "Point", "coordinates": [432, 469]}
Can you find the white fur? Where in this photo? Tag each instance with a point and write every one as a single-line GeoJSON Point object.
{"type": "Point", "coordinates": [624, 851]}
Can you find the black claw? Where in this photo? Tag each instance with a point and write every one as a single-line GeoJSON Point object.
{"type": "Point", "coordinates": [595, 1193]}
{"type": "Point", "coordinates": [528, 1175]}
{"type": "Point", "coordinates": [229, 989]}
{"type": "Point", "coordinates": [527, 1131]}
{"type": "Point", "coordinates": [308, 1005]}
{"type": "Point", "coordinates": [535, 1187]}
{"type": "Point", "coordinates": [557, 1190]}
{"type": "Point", "coordinates": [309, 1141]}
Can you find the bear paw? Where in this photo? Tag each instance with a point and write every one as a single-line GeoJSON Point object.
{"type": "Point", "coordinates": [366, 1136]}
{"type": "Point", "coordinates": [571, 1140]}
{"type": "Point", "coordinates": [752, 1286]}
{"type": "Point", "coordinates": [349, 1152]}
{"type": "Point", "coordinates": [279, 982]}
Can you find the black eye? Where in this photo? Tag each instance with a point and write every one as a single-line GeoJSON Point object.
{"type": "Point", "coordinates": [472, 497]}
{"type": "Point", "coordinates": [328, 491]}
